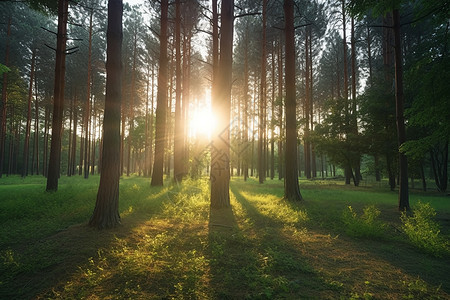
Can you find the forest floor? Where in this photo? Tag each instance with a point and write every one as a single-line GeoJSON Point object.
{"type": "Point", "coordinates": [171, 246]}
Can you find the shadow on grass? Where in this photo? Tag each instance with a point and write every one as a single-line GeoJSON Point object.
{"type": "Point", "coordinates": [47, 266]}
{"type": "Point", "coordinates": [341, 265]}
{"type": "Point", "coordinates": [250, 259]}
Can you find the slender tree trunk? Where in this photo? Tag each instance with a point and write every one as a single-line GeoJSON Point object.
{"type": "Point", "coordinates": [357, 164]}
{"type": "Point", "coordinates": [106, 212]}
{"type": "Point", "coordinates": [26, 147]}
{"type": "Point", "coordinates": [3, 103]}
{"type": "Point", "coordinates": [178, 143]}
{"type": "Point", "coordinates": [307, 148]}
{"type": "Point", "coordinates": [152, 108]}
{"type": "Point", "coordinates": [161, 106]}
{"type": "Point", "coordinates": [348, 167]}
{"type": "Point", "coordinates": [74, 137]}
{"type": "Point", "coordinates": [272, 124]}
{"type": "Point", "coordinates": [80, 163]}
{"type": "Point", "coordinates": [93, 130]}
{"type": "Point", "coordinates": [46, 137]}
{"type": "Point", "coordinates": [291, 187]}
{"type": "Point", "coordinates": [146, 143]}
{"type": "Point", "coordinates": [69, 151]}
{"type": "Point", "coordinates": [58, 105]}
{"type": "Point", "coordinates": [311, 107]}
{"type": "Point", "coordinates": [186, 96]}
{"type": "Point", "coordinates": [87, 109]}
{"type": "Point", "coordinates": [280, 110]}
{"type": "Point", "coordinates": [262, 99]}
{"type": "Point", "coordinates": [246, 99]}
{"type": "Point", "coordinates": [403, 195]}
{"type": "Point", "coordinates": [130, 166]}
{"type": "Point", "coordinates": [220, 148]}
{"type": "Point", "coordinates": [36, 128]}
{"type": "Point", "coordinates": [377, 168]}
{"type": "Point", "coordinates": [123, 119]}
{"type": "Point", "coordinates": [422, 175]}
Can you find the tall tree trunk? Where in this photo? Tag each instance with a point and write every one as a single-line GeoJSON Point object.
{"type": "Point", "coordinates": [262, 99]}
{"type": "Point", "coordinates": [280, 109]}
{"type": "Point", "coordinates": [306, 112]}
{"type": "Point", "coordinates": [186, 96]}
{"type": "Point", "coordinates": [348, 168]}
{"type": "Point", "coordinates": [58, 98]}
{"type": "Point", "coordinates": [161, 106]}
{"type": "Point", "coordinates": [146, 144]}
{"type": "Point", "coordinates": [123, 123]}
{"type": "Point", "coordinates": [26, 147]}
{"type": "Point", "coordinates": [178, 143]}
{"type": "Point", "coordinates": [311, 106]}
{"type": "Point", "coordinates": [221, 105]}
{"type": "Point", "coordinates": [152, 108]}
{"type": "Point", "coordinates": [106, 212]}
{"type": "Point", "coordinates": [69, 151]}
{"type": "Point", "coordinates": [354, 121]}
{"type": "Point", "coordinates": [46, 137]}
{"type": "Point", "coordinates": [403, 195]}
{"type": "Point", "coordinates": [291, 187]}
{"type": "Point", "coordinates": [130, 167]}
{"type": "Point", "coordinates": [3, 103]}
{"type": "Point", "coordinates": [93, 130]}
{"type": "Point", "coordinates": [36, 128]}
{"type": "Point", "coordinates": [246, 99]}
{"type": "Point", "coordinates": [272, 124]}
{"type": "Point", "coordinates": [87, 109]}
{"type": "Point", "coordinates": [74, 137]}
{"type": "Point", "coordinates": [439, 162]}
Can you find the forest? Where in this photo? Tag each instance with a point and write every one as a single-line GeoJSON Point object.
{"type": "Point", "coordinates": [231, 149]}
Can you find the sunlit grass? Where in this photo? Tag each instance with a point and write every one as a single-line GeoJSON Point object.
{"type": "Point", "coordinates": [171, 245]}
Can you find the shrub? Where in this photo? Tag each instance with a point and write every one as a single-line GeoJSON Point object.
{"type": "Point", "coordinates": [366, 225]}
{"type": "Point", "coordinates": [423, 231]}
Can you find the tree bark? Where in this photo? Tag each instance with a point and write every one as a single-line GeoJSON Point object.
{"type": "Point", "coordinates": [161, 105]}
{"type": "Point", "coordinates": [403, 195]}
{"type": "Point", "coordinates": [307, 148]}
{"type": "Point", "coordinates": [311, 107]}
{"type": "Point", "coordinates": [106, 212]}
{"type": "Point", "coordinates": [280, 109]}
{"type": "Point", "coordinates": [58, 98]}
{"type": "Point", "coordinates": [246, 99]}
{"type": "Point", "coordinates": [87, 107]}
{"type": "Point", "coordinates": [221, 105]}
{"type": "Point", "coordinates": [36, 130]}
{"type": "Point", "coordinates": [357, 164]}
{"type": "Point", "coordinates": [272, 124]}
{"type": "Point", "coordinates": [74, 137]}
{"type": "Point", "coordinates": [26, 146]}
{"type": "Point", "coordinates": [178, 143]}
{"type": "Point", "coordinates": [130, 166]}
{"type": "Point", "coordinates": [262, 99]}
{"type": "Point", "coordinates": [3, 103]}
{"type": "Point", "coordinates": [291, 187]}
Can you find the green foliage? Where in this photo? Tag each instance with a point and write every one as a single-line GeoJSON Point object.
{"type": "Point", "coordinates": [423, 231]}
{"type": "Point", "coordinates": [3, 69]}
{"type": "Point", "coordinates": [367, 225]}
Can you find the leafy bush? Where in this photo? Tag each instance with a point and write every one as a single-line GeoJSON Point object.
{"type": "Point", "coordinates": [366, 225]}
{"type": "Point", "coordinates": [423, 231]}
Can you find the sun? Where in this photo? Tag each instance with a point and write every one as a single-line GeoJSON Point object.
{"type": "Point", "coordinates": [201, 120]}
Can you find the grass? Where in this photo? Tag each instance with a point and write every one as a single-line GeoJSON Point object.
{"type": "Point", "coordinates": [171, 246]}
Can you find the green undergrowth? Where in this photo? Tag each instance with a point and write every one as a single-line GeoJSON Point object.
{"type": "Point", "coordinates": [341, 242]}
{"type": "Point", "coordinates": [424, 231]}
